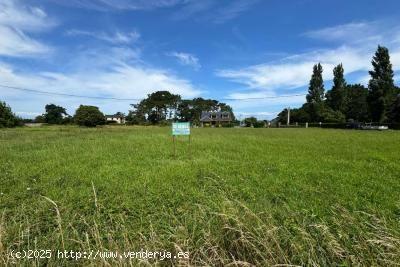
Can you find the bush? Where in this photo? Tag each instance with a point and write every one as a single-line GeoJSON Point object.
{"type": "Point", "coordinates": [7, 117]}
{"type": "Point", "coordinates": [89, 116]}
{"type": "Point", "coordinates": [165, 123]}
{"type": "Point", "coordinates": [228, 125]}
{"type": "Point", "coordinates": [259, 124]}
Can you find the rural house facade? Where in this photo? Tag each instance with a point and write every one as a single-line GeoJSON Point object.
{"type": "Point", "coordinates": [117, 118]}
{"type": "Point", "coordinates": [218, 118]}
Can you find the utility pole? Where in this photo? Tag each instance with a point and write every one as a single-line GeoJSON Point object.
{"type": "Point", "coordinates": [288, 116]}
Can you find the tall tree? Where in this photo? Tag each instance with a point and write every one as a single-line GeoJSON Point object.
{"type": "Point", "coordinates": [394, 115]}
{"type": "Point", "coordinates": [316, 87]}
{"type": "Point", "coordinates": [54, 114]}
{"type": "Point", "coordinates": [381, 86]}
{"type": "Point", "coordinates": [315, 96]}
{"type": "Point", "coordinates": [157, 107]}
{"type": "Point", "coordinates": [357, 107]}
{"type": "Point", "coordinates": [336, 97]}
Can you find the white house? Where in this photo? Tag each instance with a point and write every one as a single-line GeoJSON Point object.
{"type": "Point", "coordinates": [117, 118]}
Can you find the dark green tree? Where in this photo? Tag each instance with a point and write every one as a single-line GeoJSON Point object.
{"type": "Point", "coordinates": [394, 114]}
{"type": "Point", "coordinates": [39, 119]}
{"type": "Point", "coordinates": [316, 93]}
{"type": "Point", "coordinates": [250, 122]}
{"type": "Point", "coordinates": [157, 107]}
{"type": "Point", "coordinates": [186, 111]}
{"type": "Point", "coordinates": [89, 116]}
{"type": "Point", "coordinates": [54, 114]}
{"type": "Point", "coordinates": [316, 87]}
{"type": "Point", "coordinates": [336, 97]}
{"type": "Point", "coordinates": [357, 106]}
{"type": "Point", "coordinates": [7, 117]}
{"type": "Point", "coordinates": [381, 86]}
{"type": "Point", "coordinates": [299, 115]}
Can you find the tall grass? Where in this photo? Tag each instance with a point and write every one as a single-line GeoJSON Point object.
{"type": "Point", "coordinates": [247, 197]}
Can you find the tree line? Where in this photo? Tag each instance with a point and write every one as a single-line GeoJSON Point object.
{"type": "Point", "coordinates": [162, 106]}
{"type": "Point", "coordinates": [158, 108]}
{"type": "Point", "coordinates": [379, 102]}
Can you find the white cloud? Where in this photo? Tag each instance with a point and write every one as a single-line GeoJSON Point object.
{"type": "Point", "coordinates": [294, 71]}
{"type": "Point", "coordinates": [17, 44]}
{"type": "Point", "coordinates": [93, 75]}
{"type": "Point", "coordinates": [346, 32]}
{"type": "Point", "coordinates": [115, 38]}
{"type": "Point", "coordinates": [186, 59]}
{"type": "Point", "coordinates": [212, 10]}
{"type": "Point", "coordinates": [105, 5]}
{"type": "Point", "coordinates": [27, 113]}
{"type": "Point", "coordinates": [111, 71]}
{"type": "Point", "coordinates": [14, 14]}
{"type": "Point", "coordinates": [357, 44]}
{"type": "Point", "coordinates": [232, 10]}
{"type": "Point", "coordinates": [262, 115]}
{"type": "Point", "coordinates": [16, 21]}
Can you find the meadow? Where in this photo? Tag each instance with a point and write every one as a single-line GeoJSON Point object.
{"type": "Point", "coordinates": [243, 197]}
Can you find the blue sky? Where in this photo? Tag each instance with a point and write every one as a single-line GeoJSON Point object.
{"type": "Point", "coordinates": [210, 48]}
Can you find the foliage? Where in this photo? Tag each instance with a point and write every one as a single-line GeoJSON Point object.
{"type": "Point", "coordinates": [247, 197]}
{"type": "Point", "coordinates": [331, 116]}
{"type": "Point", "coordinates": [357, 107]}
{"type": "Point", "coordinates": [54, 114]}
{"type": "Point", "coordinates": [89, 116]}
{"type": "Point", "coordinates": [249, 122]}
{"type": "Point", "coordinates": [299, 115]}
{"type": "Point", "coordinates": [7, 117]}
{"type": "Point", "coordinates": [353, 103]}
{"type": "Point", "coordinates": [394, 114]}
{"type": "Point", "coordinates": [158, 106]}
{"type": "Point", "coordinates": [162, 105]}
{"type": "Point", "coordinates": [381, 86]}
{"type": "Point", "coordinates": [336, 97]}
{"type": "Point", "coordinates": [316, 88]}
{"type": "Point", "coordinates": [39, 119]}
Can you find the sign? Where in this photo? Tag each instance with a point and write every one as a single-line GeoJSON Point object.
{"type": "Point", "coordinates": [181, 128]}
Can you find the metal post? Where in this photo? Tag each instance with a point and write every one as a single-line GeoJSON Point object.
{"type": "Point", "coordinates": [288, 116]}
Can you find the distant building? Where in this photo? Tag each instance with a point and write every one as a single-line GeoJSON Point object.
{"type": "Point", "coordinates": [117, 118]}
{"type": "Point", "coordinates": [215, 118]}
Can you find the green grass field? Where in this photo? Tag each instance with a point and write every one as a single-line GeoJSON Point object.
{"type": "Point", "coordinates": [246, 196]}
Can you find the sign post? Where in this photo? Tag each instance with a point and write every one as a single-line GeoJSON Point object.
{"type": "Point", "coordinates": [180, 128]}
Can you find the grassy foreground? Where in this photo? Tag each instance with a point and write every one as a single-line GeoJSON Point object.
{"type": "Point", "coordinates": [246, 197]}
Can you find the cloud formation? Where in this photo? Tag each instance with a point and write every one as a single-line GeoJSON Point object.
{"type": "Point", "coordinates": [294, 71]}
{"type": "Point", "coordinates": [16, 22]}
{"type": "Point", "coordinates": [213, 10]}
{"type": "Point", "coordinates": [186, 59]}
{"type": "Point", "coordinates": [105, 5]}
{"type": "Point", "coordinates": [114, 38]}
{"type": "Point", "coordinates": [355, 46]}
{"type": "Point", "coordinates": [111, 70]}
{"type": "Point", "coordinates": [118, 78]}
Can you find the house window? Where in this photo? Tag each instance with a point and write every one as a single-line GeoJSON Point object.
{"type": "Point", "coordinates": [213, 116]}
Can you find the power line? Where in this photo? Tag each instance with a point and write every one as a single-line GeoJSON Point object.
{"type": "Point", "coordinates": [69, 95]}
{"type": "Point", "coordinates": [264, 97]}
{"type": "Point", "coordinates": [133, 99]}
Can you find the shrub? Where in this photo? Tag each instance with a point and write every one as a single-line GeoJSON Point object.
{"type": "Point", "coordinates": [89, 116]}
{"type": "Point", "coordinates": [7, 117]}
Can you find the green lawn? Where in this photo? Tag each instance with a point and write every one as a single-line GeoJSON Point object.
{"type": "Point", "coordinates": [246, 196]}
